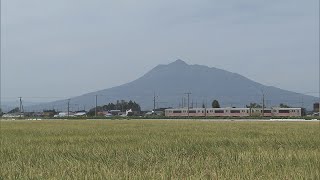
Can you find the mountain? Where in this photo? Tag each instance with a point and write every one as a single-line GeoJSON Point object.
{"type": "Point", "coordinates": [171, 82]}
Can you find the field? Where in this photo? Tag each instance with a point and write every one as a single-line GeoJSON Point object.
{"type": "Point", "coordinates": [154, 149]}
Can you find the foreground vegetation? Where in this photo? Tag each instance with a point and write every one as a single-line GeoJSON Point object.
{"type": "Point", "coordinates": [151, 149]}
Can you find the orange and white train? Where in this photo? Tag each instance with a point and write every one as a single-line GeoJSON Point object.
{"type": "Point", "coordinates": [235, 112]}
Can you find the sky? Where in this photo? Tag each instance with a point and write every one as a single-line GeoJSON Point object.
{"type": "Point", "coordinates": [59, 49]}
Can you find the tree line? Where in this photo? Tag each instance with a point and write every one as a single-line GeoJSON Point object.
{"type": "Point", "coordinates": [121, 105]}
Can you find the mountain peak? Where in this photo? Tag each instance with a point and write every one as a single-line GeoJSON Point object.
{"type": "Point", "coordinates": [172, 80]}
{"type": "Point", "coordinates": [178, 62]}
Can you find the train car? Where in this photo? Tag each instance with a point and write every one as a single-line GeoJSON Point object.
{"type": "Point", "coordinates": [193, 112]}
{"type": "Point", "coordinates": [239, 112]}
{"type": "Point", "coordinates": [256, 112]}
{"type": "Point", "coordinates": [227, 112]}
{"type": "Point", "coordinates": [216, 112]}
{"type": "Point", "coordinates": [287, 112]}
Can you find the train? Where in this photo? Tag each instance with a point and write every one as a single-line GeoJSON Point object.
{"type": "Point", "coordinates": [235, 112]}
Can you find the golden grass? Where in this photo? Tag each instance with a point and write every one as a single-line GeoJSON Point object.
{"type": "Point", "coordinates": [151, 149]}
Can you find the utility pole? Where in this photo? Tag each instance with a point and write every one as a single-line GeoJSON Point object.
{"type": "Point", "coordinates": [20, 107]}
{"type": "Point", "coordinates": [188, 102]}
{"type": "Point", "coordinates": [154, 102]}
{"type": "Point", "coordinates": [96, 106]}
{"type": "Point", "coordinates": [68, 107]}
{"type": "Point", "coordinates": [262, 104]}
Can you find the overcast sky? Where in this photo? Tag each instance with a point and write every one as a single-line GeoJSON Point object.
{"type": "Point", "coordinates": [66, 48]}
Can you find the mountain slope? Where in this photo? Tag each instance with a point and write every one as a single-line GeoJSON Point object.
{"type": "Point", "coordinates": [171, 81]}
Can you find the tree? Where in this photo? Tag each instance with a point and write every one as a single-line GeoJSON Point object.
{"type": "Point", "coordinates": [203, 106]}
{"type": "Point", "coordinates": [284, 105]}
{"type": "Point", "coordinates": [254, 105]}
{"type": "Point", "coordinates": [215, 104]}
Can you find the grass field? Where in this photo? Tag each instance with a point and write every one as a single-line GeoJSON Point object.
{"type": "Point", "coordinates": [151, 149]}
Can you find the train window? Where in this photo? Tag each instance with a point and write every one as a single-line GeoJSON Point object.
{"type": "Point", "coordinates": [235, 111]}
{"type": "Point", "coordinates": [198, 111]}
{"type": "Point", "coordinates": [218, 111]}
{"type": "Point", "coordinates": [267, 111]}
{"type": "Point", "coordinates": [192, 111]}
{"type": "Point", "coordinates": [284, 111]}
{"type": "Point", "coordinates": [247, 111]}
{"type": "Point", "coordinates": [207, 111]}
{"type": "Point", "coordinates": [176, 112]}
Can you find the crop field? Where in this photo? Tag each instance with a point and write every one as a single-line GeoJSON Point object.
{"type": "Point", "coordinates": [159, 149]}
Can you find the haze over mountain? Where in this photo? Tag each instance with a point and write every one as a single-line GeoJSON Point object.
{"type": "Point", "coordinates": [171, 82]}
{"type": "Point", "coordinates": [9, 105]}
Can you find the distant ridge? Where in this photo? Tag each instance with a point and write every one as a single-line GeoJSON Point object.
{"type": "Point", "coordinates": [171, 81]}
